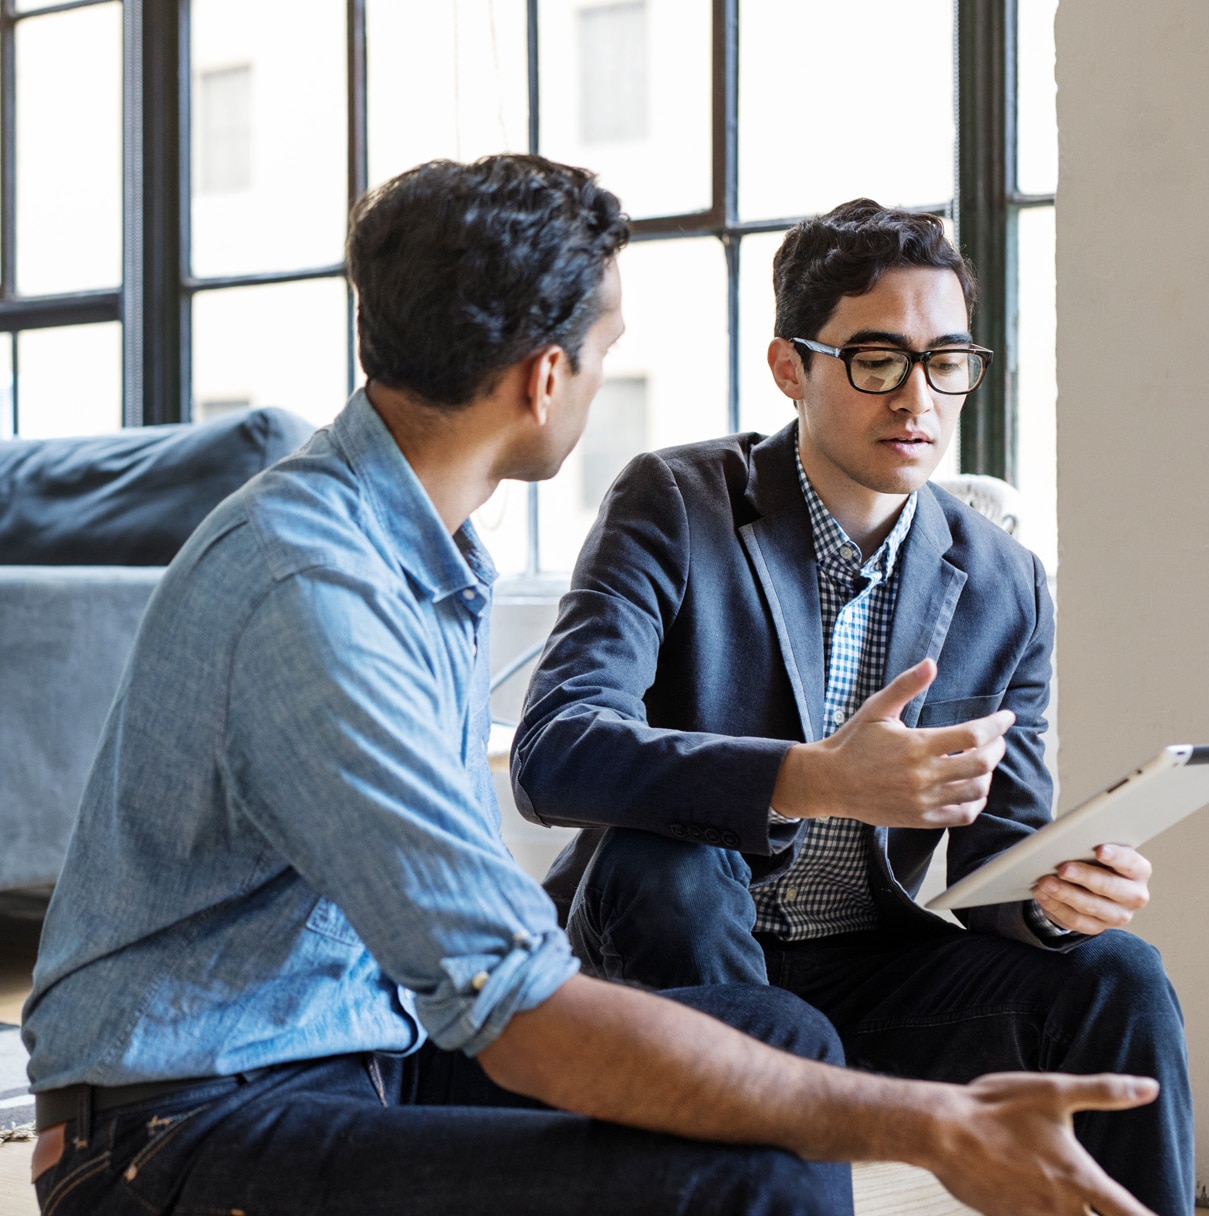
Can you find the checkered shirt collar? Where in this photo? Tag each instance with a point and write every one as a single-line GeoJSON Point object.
{"type": "Point", "coordinates": [836, 552]}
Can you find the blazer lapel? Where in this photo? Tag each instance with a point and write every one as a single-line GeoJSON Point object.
{"type": "Point", "coordinates": [929, 587]}
{"type": "Point", "coordinates": [781, 551]}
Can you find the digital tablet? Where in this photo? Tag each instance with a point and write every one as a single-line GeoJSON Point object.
{"type": "Point", "coordinates": [1141, 805]}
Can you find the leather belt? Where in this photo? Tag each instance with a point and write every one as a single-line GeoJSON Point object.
{"type": "Point", "coordinates": [58, 1105]}
{"type": "Point", "coordinates": [55, 1107]}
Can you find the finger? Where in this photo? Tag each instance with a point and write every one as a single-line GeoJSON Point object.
{"type": "Point", "coordinates": [1129, 892]}
{"type": "Point", "coordinates": [977, 762]}
{"type": "Point", "coordinates": [1107, 1197]}
{"type": "Point", "coordinates": [1069, 1092]}
{"type": "Point", "coordinates": [1124, 860]}
{"type": "Point", "coordinates": [954, 815]}
{"type": "Point", "coordinates": [1071, 908]}
{"type": "Point", "coordinates": [889, 702]}
{"type": "Point", "coordinates": [966, 736]}
{"type": "Point", "coordinates": [971, 791]}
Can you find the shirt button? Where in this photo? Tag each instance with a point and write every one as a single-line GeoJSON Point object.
{"type": "Point", "coordinates": [791, 893]}
{"type": "Point", "coordinates": [848, 553]}
{"type": "Point", "coordinates": [480, 981]}
{"type": "Point", "coordinates": [469, 593]}
{"type": "Point", "coordinates": [521, 938]}
{"type": "Point", "coordinates": [838, 717]}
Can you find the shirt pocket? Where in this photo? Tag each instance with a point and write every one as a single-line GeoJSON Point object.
{"type": "Point", "coordinates": [328, 919]}
{"type": "Point", "coordinates": [950, 713]}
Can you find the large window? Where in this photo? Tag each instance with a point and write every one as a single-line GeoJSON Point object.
{"type": "Point", "coordinates": [171, 233]}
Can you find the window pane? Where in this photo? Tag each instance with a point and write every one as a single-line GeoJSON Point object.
{"type": "Point", "coordinates": [666, 383]}
{"type": "Point", "coordinates": [1037, 385]}
{"type": "Point", "coordinates": [51, 404]}
{"type": "Point", "coordinates": [6, 386]}
{"type": "Point", "coordinates": [502, 523]}
{"type": "Point", "coordinates": [284, 345]}
{"type": "Point", "coordinates": [269, 162]}
{"type": "Point", "coordinates": [1036, 93]}
{"type": "Point", "coordinates": [762, 406]}
{"type": "Point", "coordinates": [69, 150]}
{"type": "Point", "coordinates": [866, 109]}
{"type": "Point", "coordinates": [445, 80]}
{"type": "Point", "coordinates": [625, 91]}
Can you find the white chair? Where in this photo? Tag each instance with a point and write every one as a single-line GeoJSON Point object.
{"type": "Point", "coordinates": [993, 497]}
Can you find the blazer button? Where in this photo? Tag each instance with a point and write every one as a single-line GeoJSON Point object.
{"type": "Point", "coordinates": [677, 829]}
{"type": "Point", "coordinates": [730, 839]}
{"type": "Point", "coordinates": [694, 831]}
{"type": "Point", "coordinates": [713, 836]}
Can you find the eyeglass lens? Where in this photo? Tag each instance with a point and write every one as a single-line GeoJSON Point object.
{"type": "Point", "coordinates": [882, 371]}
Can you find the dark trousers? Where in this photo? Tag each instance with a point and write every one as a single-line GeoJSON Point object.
{"type": "Point", "coordinates": [940, 1004]}
{"type": "Point", "coordinates": [430, 1134]}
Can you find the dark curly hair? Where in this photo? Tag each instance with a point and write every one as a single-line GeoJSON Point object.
{"type": "Point", "coordinates": [845, 253]}
{"type": "Point", "coordinates": [461, 270]}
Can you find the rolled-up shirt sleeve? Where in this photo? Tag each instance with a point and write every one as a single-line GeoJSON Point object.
{"type": "Point", "coordinates": [349, 745]}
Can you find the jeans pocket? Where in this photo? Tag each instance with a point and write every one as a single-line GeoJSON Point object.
{"type": "Point", "coordinates": [71, 1186]}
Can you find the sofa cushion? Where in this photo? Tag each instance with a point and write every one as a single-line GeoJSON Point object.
{"type": "Point", "coordinates": [131, 498]}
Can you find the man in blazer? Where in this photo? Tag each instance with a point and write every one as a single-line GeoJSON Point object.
{"type": "Point", "coordinates": [788, 665]}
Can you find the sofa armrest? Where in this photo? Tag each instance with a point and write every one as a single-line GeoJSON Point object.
{"type": "Point", "coordinates": [65, 633]}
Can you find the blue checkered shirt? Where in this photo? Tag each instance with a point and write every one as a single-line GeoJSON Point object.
{"type": "Point", "coordinates": [826, 889]}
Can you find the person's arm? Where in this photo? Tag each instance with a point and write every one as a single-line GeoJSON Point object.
{"type": "Point", "coordinates": [1003, 1144]}
{"type": "Point", "coordinates": [585, 753]}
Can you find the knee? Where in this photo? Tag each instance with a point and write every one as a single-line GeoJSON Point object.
{"type": "Point", "coordinates": [773, 1015]}
{"type": "Point", "coordinates": [771, 1182]}
{"type": "Point", "coordinates": [1120, 960]}
{"type": "Point", "coordinates": [631, 864]}
{"type": "Point", "coordinates": [1126, 973]}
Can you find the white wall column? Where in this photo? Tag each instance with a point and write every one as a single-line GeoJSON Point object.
{"type": "Point", "coordinates": [1133, 438]}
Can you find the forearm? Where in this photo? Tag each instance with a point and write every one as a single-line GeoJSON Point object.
{"type": "Point", "coordinates": [630, 1057]}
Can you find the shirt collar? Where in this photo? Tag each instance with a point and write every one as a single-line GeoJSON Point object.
{"type": "Point", "coordinates": [444, 565]}
{"type": "Point", "coordinates": [836, 552]}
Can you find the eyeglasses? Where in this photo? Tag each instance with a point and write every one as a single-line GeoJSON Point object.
{"type": "Point", "coordinates": [882, 369]}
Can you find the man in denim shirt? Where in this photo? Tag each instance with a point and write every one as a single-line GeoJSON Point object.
{"type": "Point", "coordinates": [291, 967]}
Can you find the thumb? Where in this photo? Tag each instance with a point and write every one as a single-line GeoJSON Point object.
{"type": "Point", "coordinates": [889, 702]}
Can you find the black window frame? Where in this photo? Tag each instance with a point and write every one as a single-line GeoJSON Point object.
{"type": "Point", "coordinates": [155, 299]}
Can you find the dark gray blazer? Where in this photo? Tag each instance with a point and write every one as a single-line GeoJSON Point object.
{"type": "Point", "coordinates": [688, 656]}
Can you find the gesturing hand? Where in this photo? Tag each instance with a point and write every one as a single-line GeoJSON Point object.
{"type": "Point", "coordinates": [881, 772]}
{"type": "Point", "coordinates": [1012, 1150]}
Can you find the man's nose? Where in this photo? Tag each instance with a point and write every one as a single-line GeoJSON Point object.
{"type": "Point", "coordinates": [914, 394]}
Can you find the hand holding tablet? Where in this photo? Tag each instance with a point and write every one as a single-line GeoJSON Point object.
{"type": "Point", "coordinates": [1149, 800]}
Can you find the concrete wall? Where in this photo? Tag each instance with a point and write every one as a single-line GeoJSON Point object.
{"type": "Point", "coordinates": [1133, 437]}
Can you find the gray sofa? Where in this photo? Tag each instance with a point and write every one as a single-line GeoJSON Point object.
{"type": "Point", "coordinates": [86, 526]}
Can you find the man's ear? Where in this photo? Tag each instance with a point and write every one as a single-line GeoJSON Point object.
{"type": "Point", "coordinates": [786, 366]}
{"type": "Point", "coordinates": [546, 368]}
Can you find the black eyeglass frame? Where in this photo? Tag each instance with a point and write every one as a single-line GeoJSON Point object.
{"type": "Point", "coordinates": [848, 353]}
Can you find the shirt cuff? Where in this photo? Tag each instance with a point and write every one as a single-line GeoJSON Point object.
{"type": "Point", "coordinates": [1041, 924]}
{"type": "Point", "coordinates": [481, 994]}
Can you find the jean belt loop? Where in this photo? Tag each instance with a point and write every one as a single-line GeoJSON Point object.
{"type": "Point", "coordinates": [84, 1117]}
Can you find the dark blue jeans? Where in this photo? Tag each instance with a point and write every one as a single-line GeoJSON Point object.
{"type": "Point", "coordinates": [936, 1003]}
{"type": "Point", "coordinates": [430, 1134]}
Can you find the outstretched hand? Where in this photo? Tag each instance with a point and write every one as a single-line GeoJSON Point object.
{"type": "Point", "coordinates": [1013, 1151]}
{"type": "Point", "coordinates": [877, 770]}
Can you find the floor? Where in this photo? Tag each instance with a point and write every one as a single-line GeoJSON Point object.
{"type": "Point", "coordinates": [880, 1190]}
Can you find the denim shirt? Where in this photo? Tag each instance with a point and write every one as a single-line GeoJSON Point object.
{"type": "Point", "coordinates": [289, 845]}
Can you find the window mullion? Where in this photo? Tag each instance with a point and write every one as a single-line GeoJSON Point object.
{"type": "Point", "coordinates": [986, 159]}
{"type": "Point", "coordinates": [154, 342]}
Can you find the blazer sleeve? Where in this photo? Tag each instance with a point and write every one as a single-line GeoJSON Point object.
{"type": "Point", "coordinates": [585, 753]}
